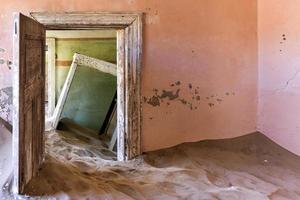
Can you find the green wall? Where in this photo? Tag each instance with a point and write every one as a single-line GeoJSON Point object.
{"type": "Point", "coordinates": [103, 49]}
{"type": "Point", "coordinates": [91, 91]}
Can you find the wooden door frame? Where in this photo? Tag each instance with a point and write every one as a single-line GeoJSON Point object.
{"type": "Point", "coordinates": [129, 56]}
{"type": "Point", "coordinates": [50, 76]}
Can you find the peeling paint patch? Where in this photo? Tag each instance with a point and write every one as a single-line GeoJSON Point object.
{"type": "Point", "coordinates": [183, 101]}
{"type": "Point", "coordinates": [145, 99]}
{"type": "Point", "coordinates": [6, 104]}
{"type": "Point", "coordinates": [219, 100]}
{"type": "Point", "coordinates": [169, 94]}
{"type": "Point", "coordinates": [282, 41]}
{"type": "Point", "coordinates": [192, 100]}
{"type": "Point", "coordinates": [154, 101]}
{"type": "Point", "coordinates": [283, 36]}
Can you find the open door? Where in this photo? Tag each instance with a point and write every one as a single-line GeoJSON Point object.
{"type": "Point", "coordinates": [28, 100]}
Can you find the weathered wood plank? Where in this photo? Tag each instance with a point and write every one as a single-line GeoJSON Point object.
{"type": "Point", "coordinates": [128, 92]}
{"type": "Point", "coordinates": [90, 19]}
{"type": "Point", "coordinates": [133, 51]}
{"type": "Point", "coordinates": [94, 63]}
{"type": "Point", "coordinates": [28, 100]}
{"type": "Point", "coordinates": [64, 93]}
{"type": "Point", "coordinates": [121, 95]}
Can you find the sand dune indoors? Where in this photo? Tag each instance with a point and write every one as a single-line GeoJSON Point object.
{"type": "Point", "coordinates": [248, 167]}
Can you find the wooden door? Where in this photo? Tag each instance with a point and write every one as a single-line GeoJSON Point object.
{"type": "Point", "coordinates": [28, 100]}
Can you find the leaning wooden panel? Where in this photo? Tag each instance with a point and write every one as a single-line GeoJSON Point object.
{"type": "Point", "coordinates": [28, 100]}
{"type": "Point", "coordinates": [79, 59]}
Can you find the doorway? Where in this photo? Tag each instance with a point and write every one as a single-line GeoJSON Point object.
{"type": "Point", "coordinates": [29, 78]}
{"type": "Point", "coordinates": [81, 88]}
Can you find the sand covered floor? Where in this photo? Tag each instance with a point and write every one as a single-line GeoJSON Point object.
{"type": "Point", "coordinates": [249, 167]}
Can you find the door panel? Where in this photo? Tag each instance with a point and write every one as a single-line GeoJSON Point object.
{"type": "Point", "coordinates": [28, 100]}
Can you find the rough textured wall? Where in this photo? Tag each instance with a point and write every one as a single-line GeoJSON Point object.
{"type": "Point", "coordinates": [279, 72]}
{"type": "Point", "coordinates": [207, 45]}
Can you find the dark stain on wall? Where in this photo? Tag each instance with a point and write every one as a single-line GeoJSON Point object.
{"type": "Point", "coordinates": [191, 101]}
{"type": "Point", "coordinates": [219, 100]}
{"type": "Point", "coordinates": [171, 95]}
{"type": "Point", "coordinates": [154, 101]}
{"type": "Point", "coordinates": [4, 61]}
{"type": "Point", "coordinates": [283, 37]}
{"type": "Point", "coordinates": [282, 41]}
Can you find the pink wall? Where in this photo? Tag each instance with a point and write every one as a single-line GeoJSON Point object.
{"type": "Point", "coordinates": [207, 47]}
{"type": "Point", "coordinates": [279, 71]}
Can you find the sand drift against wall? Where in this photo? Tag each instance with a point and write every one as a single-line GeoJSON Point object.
{"type": "Point", "coordinates": [250, 167]}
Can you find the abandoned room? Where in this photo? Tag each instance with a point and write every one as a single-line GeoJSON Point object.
{"type": "Point", "coordinates": [148, 99]}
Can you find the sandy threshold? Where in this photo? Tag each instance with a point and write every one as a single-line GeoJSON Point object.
{"type": "Point", "coordinates": [249, 167]}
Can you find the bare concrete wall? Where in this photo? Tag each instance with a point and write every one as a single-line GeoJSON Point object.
{"type": "Point", "coordinates": [199, 65]}
{"type": "Point", "coordinates": [279, 72]}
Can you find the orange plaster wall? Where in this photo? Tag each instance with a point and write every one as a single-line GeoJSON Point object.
{"type": "Point", "coordinates": [207, 45]}
{"type": "Point", "coordinates": [279, 72]}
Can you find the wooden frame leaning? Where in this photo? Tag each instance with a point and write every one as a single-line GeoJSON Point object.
{"type": "Point", "coordinates": [79, 59]}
